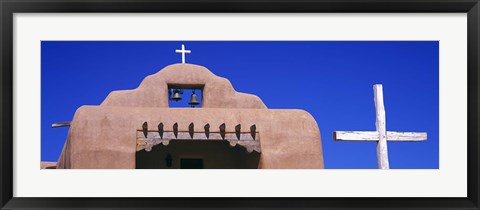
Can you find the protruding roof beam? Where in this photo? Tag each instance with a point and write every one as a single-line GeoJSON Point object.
{"type": "Point", "coordinates": [207, 130]}
{"type": "Point", "coordinates": [190, 130]}
{"type": "Point", "coordinates": [222, 130]}
{"type": "Point", "coordinates": [175, 130]}
{"type": "Point", "coordinates": [237, 131]}
{"type": "Point", "coordinates": [253, 131]}
{"type": "Point", "coordinates": [145, 129]}
{"type": "Point", "coordinates": [60, 124]}
{"type": "Point", "coordinates": [160, 130]}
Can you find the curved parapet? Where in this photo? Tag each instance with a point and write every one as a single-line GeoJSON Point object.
{"type": "Point", "coordinates": [153, 91]}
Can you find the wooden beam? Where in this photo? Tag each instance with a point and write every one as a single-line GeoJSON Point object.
{"type": "Point", "coordinates": [381, 135]}
{"type": "Point", "coordinates": [175, 129]}
{"type": "Point", "coordinates": [382, 151]}
{"type": "Point", "coordinates": [238, 130]}
{"type": "Point", "coordinates": [145, 129]}
{"type": "Point", "coordinates": [373, 136]}
{"type": "Point", "coordinates": [185, 135]}
{"type": "Point", "coordinates": [191, 129]}
{"type": "Point", "coordinates": [406, 136]}
{"type": "Point", "coordinates": [153, 138]}
{"type": "Point", "coordinates": [160, 130]}
{"type": "Point", "coordinates": [60, 124]}
{"type": "Point", "coordinates": [253, 130]}
{"type": "Point", "coordinates": [222, 130]}
{"type": "Point", "coordinates": [207, 130]}
{"type": "Point", "coordinates": [355, 135]}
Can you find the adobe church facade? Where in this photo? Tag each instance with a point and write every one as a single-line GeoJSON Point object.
{"type": "Point", "coordinates": [137, 129]}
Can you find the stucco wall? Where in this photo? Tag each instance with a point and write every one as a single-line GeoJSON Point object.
{"type": "Point", "coordinates": [105, 136]}
{"type": "Point", "coordinates": [153, 91]}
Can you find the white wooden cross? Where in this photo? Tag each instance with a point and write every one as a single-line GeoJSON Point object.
{"type": "Point", "coordinates": [381, 135]}
{"type": "Point", "coordinates": [183, 51]}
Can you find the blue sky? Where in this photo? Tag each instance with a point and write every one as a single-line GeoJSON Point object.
{"type": "Point", "coordinates": [332, 80]}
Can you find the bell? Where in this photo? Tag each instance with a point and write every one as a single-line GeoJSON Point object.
{"type": "Point", "coordinates": [176, 96]}
{"type": "Point", "coordinates": [193, 100]}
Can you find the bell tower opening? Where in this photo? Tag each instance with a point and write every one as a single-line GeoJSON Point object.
{"type": "Point", "coordinates": [185, 95]}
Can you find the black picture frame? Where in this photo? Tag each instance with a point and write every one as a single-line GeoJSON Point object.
{"type": "Point", "coordinates": [9, 7]}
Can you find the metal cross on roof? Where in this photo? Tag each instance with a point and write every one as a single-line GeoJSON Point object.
{"type": "Point", "coordinates": [183, 51]}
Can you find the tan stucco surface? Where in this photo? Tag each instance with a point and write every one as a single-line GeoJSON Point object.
{"type": "Point", "coordinates": [152, 92]}
{"type": "Point", "coordinates": [49, 165]}
{"type": "Point", "coordinates": [105, 136]}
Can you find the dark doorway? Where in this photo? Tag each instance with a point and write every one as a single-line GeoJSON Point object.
{"type": "Point", "coordinates": [191, 163]}
{"type": "Point", "coordinates": [198, 154]}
